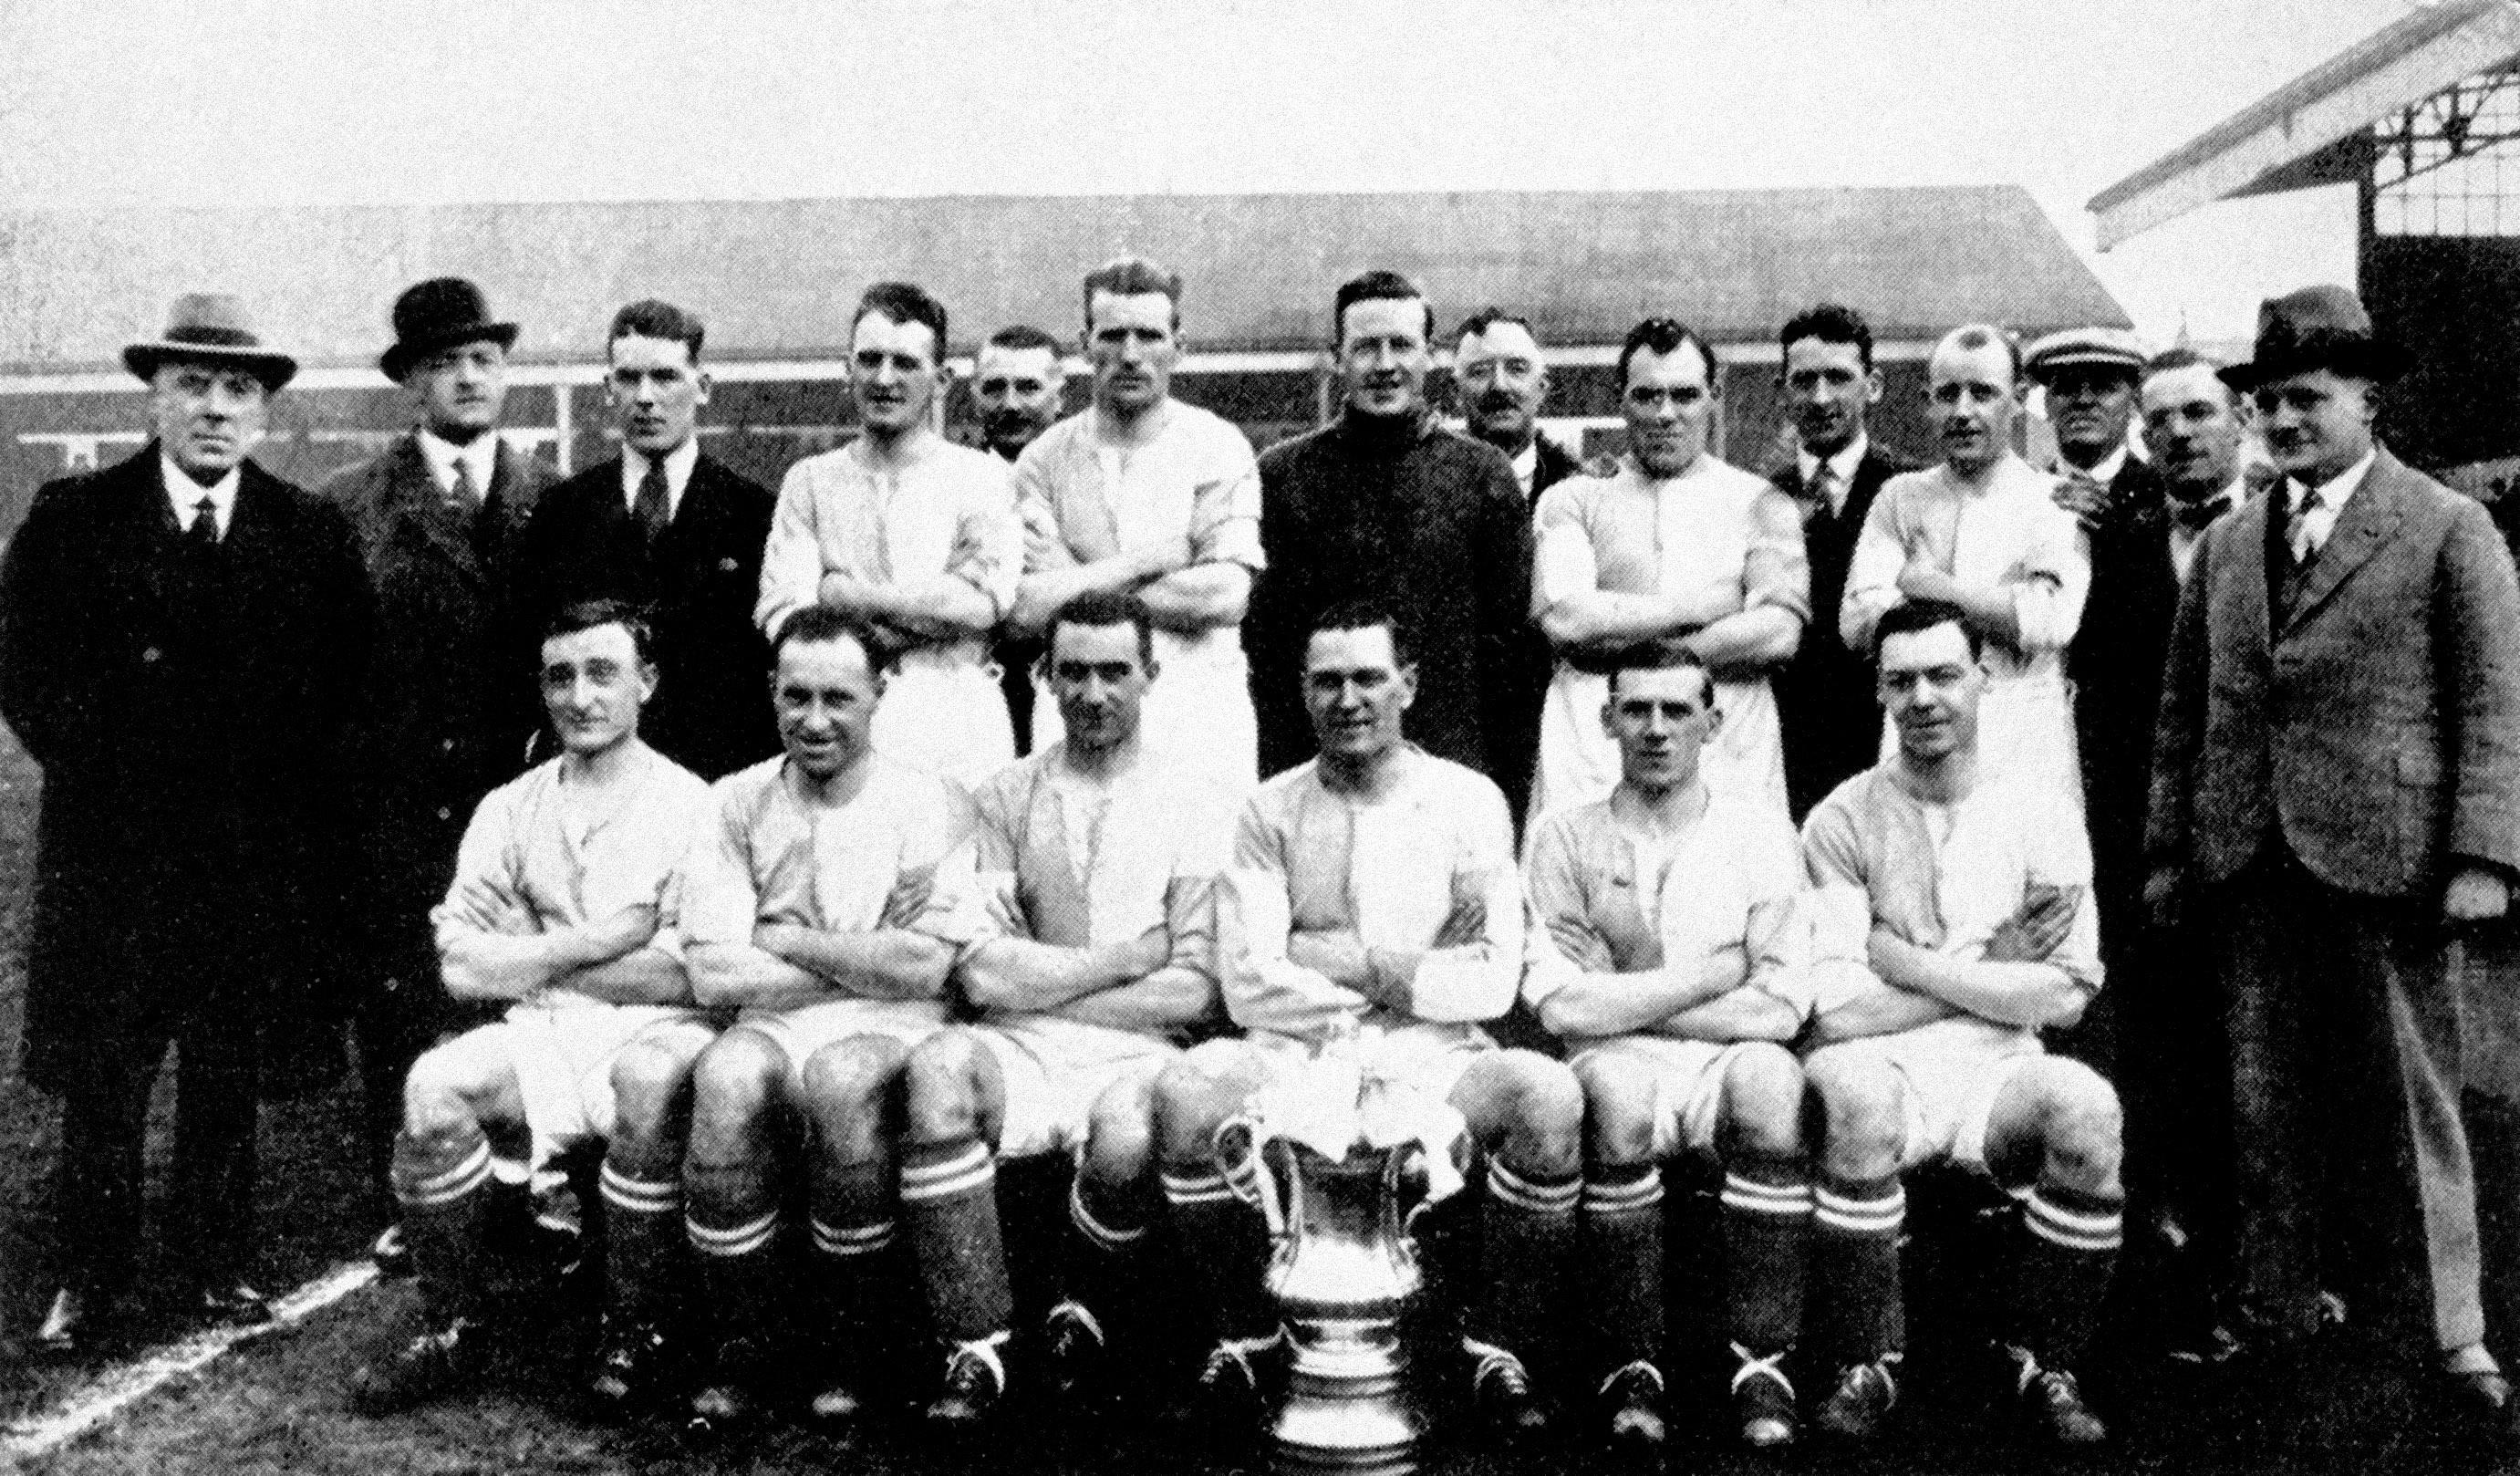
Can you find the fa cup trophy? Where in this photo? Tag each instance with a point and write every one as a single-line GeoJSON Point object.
{"type": "Point", "coordinates": [1338, 1169]}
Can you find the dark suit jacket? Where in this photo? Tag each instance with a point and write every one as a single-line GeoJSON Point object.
{"type": "Point", "coordinates": [1824, 696]}
{"type": "Point", "coordinates": [447, 708]}
{"type": "Point", "coordinates": [1554, 465]}
{"type": "Point", "coordinates": [191, 730]}
{"type": "Point", "coordinates": [2116, 664]}
{"type": "Point", "coordinates": [711, 712]}
{"type": "Point", "coordinates": [2375, 728]}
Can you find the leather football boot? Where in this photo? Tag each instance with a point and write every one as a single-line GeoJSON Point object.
{"type": "Point", "coordinates": [629, 1366]}
{"type": "Point", "coordinates": [1763, 1401]}
{"type": "Point", "coordinates": [1859, 1408]}
{"type": "Point", "coordinates": [1501, 1399]}
{"type": "Point", "coordinates": [1635, 1421]}
{"type": "Point", "coordinates": [976, 1381]}
{"type": "Point", "coordinates": [430, 1364]}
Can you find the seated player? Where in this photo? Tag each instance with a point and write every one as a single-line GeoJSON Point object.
{"type": "Point", "coordinates": [825, 907]}
{"type": "Point", "coordinates": [1372, 890]}
{"type": "Point", "coordinates": [1666, 949]}
{"type": "Point", "coordinates": [1968, 893]}
{"type": "Point", "coordinates": [1096, 861]}
{"type": "Point", "coordinates": [563, 902]}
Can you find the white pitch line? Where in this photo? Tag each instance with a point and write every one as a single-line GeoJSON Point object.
{"type": "Point", "coordinates": [115, 1389]}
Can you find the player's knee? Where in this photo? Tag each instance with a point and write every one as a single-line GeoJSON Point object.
{"type": "Point", "coordinates": [1187, 1107]}
{"type": "Point", "coordinates": [1618, 1110]}
{"type": "Point", "coordinates": [437, 1093]}
{"type": "Point", "coordinates": [652, 1080]}
{"type": "Point", "coordinates": [1860, 1128]}
{"type": "Point", "coordinates": [2084, 1128]}
{"type": "Point", "coordinates": [940, 1088]}
{"type": "Point", "coordinates": [1544, 1122]}
{"type": "Point", "coordinates": [735, 1081]}
{"type": "Point", "coordinates": [1762, 1101]}
{"type": "Point", "coordinates": [1119, 1136]}
{"type": "Point", "coordinates": [848, 1084]}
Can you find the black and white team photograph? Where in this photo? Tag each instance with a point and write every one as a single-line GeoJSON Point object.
{"type": "Point", "coordinates": [1719, 736]}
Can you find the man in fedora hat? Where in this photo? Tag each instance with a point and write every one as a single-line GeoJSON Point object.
{"type": "Point", "coordinates": [180, 635]}
{"type": "Point", "coordinates": [2336, 781]}
{"type": "Point", "coordinates": [447, 708]}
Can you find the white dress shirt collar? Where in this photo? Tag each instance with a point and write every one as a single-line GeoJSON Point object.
{"type": "Point", "coordinates": [678, 475]}
{"type": "Point", "coordinates": [2327, 501]}
{"type": "Point", "coordinates": [1842, 468]}
{"type": "Point", "coordinates": [2183, 539]}
{"type": "Point", "coordinates": [185, 495]}
{"type": "Point", "coordinates": [1526, 465]}
{"type": "Point", "coordinates": [481, 458]}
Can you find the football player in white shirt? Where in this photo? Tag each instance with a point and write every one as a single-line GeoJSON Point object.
{"type": "Point", "coordinates": [1373, 894]}
{"type": "Point", "coordinates": [1665, 948]}
{"type": "Point", "coordinates": [826, 907]}
{"type": "Point", "coordinates": [1145, 494]}
{"type": "Point", "coordinates": [1096, 861]}
{"type": "Point", "coordinates": [1968, 893]}
{"type": "Point", "coordinates": [564, 902]}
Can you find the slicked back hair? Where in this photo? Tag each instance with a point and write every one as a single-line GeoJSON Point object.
{"type": "Point", "coordinates": [587, 615]}
{"type": "Point", "coordinates": [1131, 277]}
{"type": "Point", "coordinates": [655, 318]}
{"type": "Point", "coordinates": [1367, 615]}
{"type": "Point", "coordinates": [1665, 336]}
{"type": "Point", "coordinates": [1478, 323]}
{"type": "Point", "coordinates": [903, 303]}
{"type": "Point", "coordinates": [821, 622]}
{"type": "Point", "coordinates": [1830, 323]}
{"type": "Point", "coordinates": [1376, 286]}
{"type": "Point", "coordinates": [1662, 656]}
{"type": "Point", "coordinates": [1102, 609]}
{"type": "Point", "coordinates": [1021, 336]}
{"type": "Point", "coordinates": [1909, 616]}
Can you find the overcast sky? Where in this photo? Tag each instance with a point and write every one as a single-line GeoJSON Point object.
{"type": "Point", "coordinates": [277, 102]}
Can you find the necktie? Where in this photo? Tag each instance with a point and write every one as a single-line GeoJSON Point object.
{"type": "Point", "coordinates": [2297, 532]}
{"type": "Point", "coordinates": [205, 529]}
{"type": "Point", "coordinates": [654, 507]}
{"type": "Point", "coordinates": [1824, 481]}
{"type": "Point", "coordinates": [466, 494]}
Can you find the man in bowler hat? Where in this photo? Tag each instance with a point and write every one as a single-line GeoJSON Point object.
{"type": "Point", "coordinates": [2336, 786]}
{"type": "Point", "coordinates": [179, 638]}
{"type": "Point", "coordinates": [446, 709]}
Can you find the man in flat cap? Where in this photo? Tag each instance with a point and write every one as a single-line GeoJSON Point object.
{"type": "Point", "coordinates": [180, 638]}
{"type": "Point", "coordinates": [446, 709]}
{"type": "Point", "coordinates": [2336, 789]}
{"type": "Point", "coordinates": [2091, 376]}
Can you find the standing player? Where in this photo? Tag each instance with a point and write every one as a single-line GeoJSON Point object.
{"type": "Point", "coordinates": [1018, 385]}
{"type": "Point", "coordinates": [1982, 533]}
{"type": "Point", "coordinates": [912, 536]}
{"type": "Point", "coordinates": [1678, 545]}
{"type": "Point", "coordinates": [816, 909]}
{"type": "Point", "coordinates": [564, 903]}
{"type": "Point", "coordinates": [1666, 949]}
{"type": "Point", "coordinates": [1145, 496]}
{"type": "Point", "coordinates": [1097, 863]}
{"type": "Point", "coordinates": [1372, 893]}
{"type": "Point", "coordinates": [1968, 889]}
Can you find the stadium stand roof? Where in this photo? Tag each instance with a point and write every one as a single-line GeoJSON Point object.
{"type": "Point", "coordinates": [775, 279]}
{"type": "Point", "coordinates": [2287, 140]}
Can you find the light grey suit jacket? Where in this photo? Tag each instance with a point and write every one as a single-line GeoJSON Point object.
{"type": "Point", "coordinates": [2375, 725]}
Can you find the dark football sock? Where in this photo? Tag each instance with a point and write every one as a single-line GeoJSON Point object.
{"type": "Point", "coordinates": [1855, 1256]}
{"type": "Point", "coordinates": [949, 1204]}
{"type": "Point", "coordinates": [1766, 1220]}
{"type": "Point", "coordinates": [2069, 1254]}
{"type": "Point", "coordinates": [444, 1191]}
{"type": "Point", "coordinates": [1622, 1248]}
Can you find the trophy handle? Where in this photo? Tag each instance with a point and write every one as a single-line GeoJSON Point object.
{"type": "Point", "coordinates": [1410, 1187]}
{"type": "Point", "coordinates": [1246, 1171]}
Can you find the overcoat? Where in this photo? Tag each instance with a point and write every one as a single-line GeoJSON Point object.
{"type": "Point", "coordinates": [448, 704]}
{"type": "Point", "coordinates": [192, 840]}
{"type": "Point", "coordinates": [711, 712]}
{"type": "Point", "coordinates": [1824, 694]}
